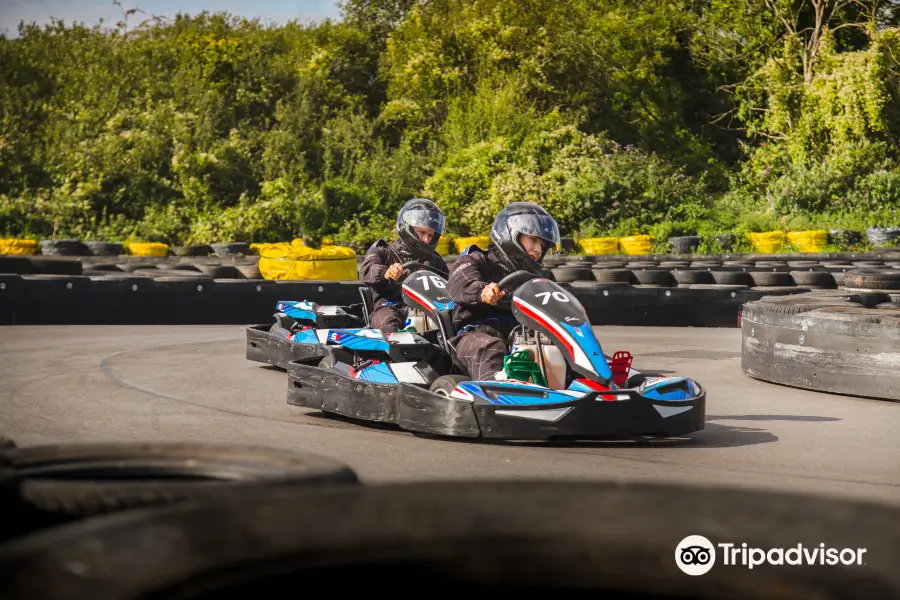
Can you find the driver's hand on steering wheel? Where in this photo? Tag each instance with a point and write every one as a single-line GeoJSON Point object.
{"type": "Point", "coordinates": [394, 272]}
{"type": "Point", "coordinates": [491, 293]}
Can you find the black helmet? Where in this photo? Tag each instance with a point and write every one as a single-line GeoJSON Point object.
{"type": "Point", "coordinates": [523, 218]}
{"type": "Point", "coordinates": [420, 212]}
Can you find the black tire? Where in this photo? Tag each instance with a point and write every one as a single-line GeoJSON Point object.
{"type": "Point", "coordinates": [767, 304]}
{"type": "Point", "coordinates": [505, 537]}
{"type": "Point", "coordinates": [654, 277]}
{"type": "Point", "coordinates": [599, 285]}
{"type": "Point", "coordinates": [131, 267]}
{"type": "Point", "coordinates": [610, 275]}
{"type": "Point", "coordinates": [44, 486]}
{"type": "Point", "coordinates": [684, 244]}
{"type": "Point", "coordinates": [105, 267]}
{"type": "Point", "coordinates": [689, 276]}
{"type": "Point", "coordinates": [819, 278]}
{"type": "Point", "coordinates": [105, 248]}
{"type": "Point", "coordinates": [444, 385]}
{"type": "Point", "coordinates": [64, 248]}
{"type": "Point", "coordinates": [570, 274]}
{"type": "Point", "coordinates": [192, 250]}
{"type": "Point", "coordinates": [881, 236]}
{"type": "Point", "coordinates": [732, 278]}
{"type": "Point", "coordinates": [876, 279]}
{"type": "Point", "coordinates": [810, 343]}
{"type": "Point", "coordinates": [249, 271]}
{"type": "Point", "coordinates": [219, 271]}
{"type": "Point", "coordinates": [769, 279]}
{"type": "Point", "coordinates": [231, 249]}
{"type": "Point", "coordinates": [846, 313]}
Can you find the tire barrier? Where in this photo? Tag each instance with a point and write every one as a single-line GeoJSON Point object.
{"type": "Point", "coordinates": [607, 538]}
{"type": "Point", "coordinates": [706, 291]}
{"type": "Point", "coordinates": [841, 342]}
{"type": "Point", "coordinates": [130, 299]}
{"type": "Point", "coordinates": [134, 299]}
{"type": "Point", "coordinates": [46, 486]}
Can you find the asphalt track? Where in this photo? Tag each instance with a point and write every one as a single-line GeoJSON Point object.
{"type": "Point", "coordinates": [131, 383]}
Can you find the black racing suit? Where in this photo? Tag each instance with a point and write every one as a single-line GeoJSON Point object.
{"type": "Point", "coordinates": [482, 329]}
{"type": "Point", "coordinates": [389, 314]}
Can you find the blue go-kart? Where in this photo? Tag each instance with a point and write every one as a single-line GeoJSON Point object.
{"type": "Point", "coordinates": [303, 331]}
{"type": "Point", "coordinates": [556, 383]}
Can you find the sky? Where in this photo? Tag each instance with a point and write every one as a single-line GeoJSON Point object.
{"type": "Point", "coordinates": [90, 12]}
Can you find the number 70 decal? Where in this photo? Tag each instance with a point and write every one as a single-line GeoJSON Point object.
{"type": "Point", "coordinates": [558, 296]}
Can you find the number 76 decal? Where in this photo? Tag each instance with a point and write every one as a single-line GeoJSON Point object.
{"type": "Point", "coordinates": [558, 296]}
{"type": "Point", "coordinates": [435, 280]}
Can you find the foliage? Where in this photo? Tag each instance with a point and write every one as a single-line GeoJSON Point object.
{"type": "Point", "coordinates": [668, 118]}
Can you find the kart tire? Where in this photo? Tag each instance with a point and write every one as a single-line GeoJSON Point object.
{"type": "Point", "coordinates": [45, 486]}
{"type": "Point", "coordinates": [443, 386]}
{"type": "Point", "coordinates": [550, 536]}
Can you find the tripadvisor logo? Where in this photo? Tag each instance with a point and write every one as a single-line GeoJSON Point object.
{"type": "Point", "coordinates": [696, 555]}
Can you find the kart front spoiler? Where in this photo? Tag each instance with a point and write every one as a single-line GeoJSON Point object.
{"type": "Point", "coordinates": [270, 348]}
{"type": "Point", "coordinates": [592, 416]}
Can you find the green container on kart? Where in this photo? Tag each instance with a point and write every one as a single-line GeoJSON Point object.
{"type": "Point", "coordinates": [519, 366]}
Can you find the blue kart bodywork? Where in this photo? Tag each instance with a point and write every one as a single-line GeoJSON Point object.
{"type": "Point", "coordinates": [303, 332]}
{"type": "Point", "coordinates": [294, 334]}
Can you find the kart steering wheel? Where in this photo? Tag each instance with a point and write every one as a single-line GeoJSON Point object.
{"type": "Point", "coordinates": [417, 266]}
{"type": "Point", "coordinates": [513, 281]}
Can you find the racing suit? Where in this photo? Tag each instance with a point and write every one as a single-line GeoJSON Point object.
{"type": "Point", "coordinates": [389, 314]}
{"type": "Point", "coordinates": [482, 329]}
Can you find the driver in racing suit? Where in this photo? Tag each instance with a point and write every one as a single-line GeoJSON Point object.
{"type": "Point", "coordinates": [521, 236]}
{"type": "Point", "coordinates": [420, 224]}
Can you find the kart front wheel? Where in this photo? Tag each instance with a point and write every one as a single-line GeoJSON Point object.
{"type": "Point", "coordinates": [443, 386]}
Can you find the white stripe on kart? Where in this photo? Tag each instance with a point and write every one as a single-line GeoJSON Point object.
{"type": "Point", "coordinates": [406, 372]}
{"type": "Point", "coordinates": [581, 358]}
{"type": "Point", "coordinates": [420, 298]}
{"type": "Point", "coordinates": [549, 414]}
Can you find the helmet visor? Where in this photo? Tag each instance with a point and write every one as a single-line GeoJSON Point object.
{"type": "Point", "coordinates": [421, 217]}
{"type": "Point", "coordinates": [542, 226]}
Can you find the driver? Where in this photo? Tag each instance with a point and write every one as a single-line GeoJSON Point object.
{"type": "Point", "coordinates": [521, 236]}
{"type": "Point", "coordinates": [420, 224]}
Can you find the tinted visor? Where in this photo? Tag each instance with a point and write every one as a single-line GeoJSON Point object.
{"type": "Point", "coordinates": [541, 226]}
{"type": "Point", "coordinates": [420, 217]}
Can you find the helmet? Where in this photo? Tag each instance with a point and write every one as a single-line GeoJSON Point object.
{"type": "Point", "coordinates": [523, 218]}
{"type": "Point", "coordinates": [420, 212]}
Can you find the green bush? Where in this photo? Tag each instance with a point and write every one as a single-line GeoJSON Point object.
{"type": "Point", "coordinates": [674, 118]}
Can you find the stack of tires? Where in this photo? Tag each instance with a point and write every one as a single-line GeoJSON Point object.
{"type": "Point", "coordinates": [192, 521]}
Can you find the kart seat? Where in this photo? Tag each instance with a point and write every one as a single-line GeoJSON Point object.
{"type": "Point", "coordinates": [445, 327]}
{"type": "Point", "coordinates": [368, 301]}
{"type": "Point", "coordinates": [620, 367]}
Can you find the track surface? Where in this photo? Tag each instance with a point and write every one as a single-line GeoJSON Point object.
{"type": "Point", "coordinates": [121, 383]}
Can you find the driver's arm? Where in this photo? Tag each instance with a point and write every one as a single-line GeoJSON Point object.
{"type": "Point", "coordinates": [467, 279]}
{"type": "Point", "coordinates": [373, 266]}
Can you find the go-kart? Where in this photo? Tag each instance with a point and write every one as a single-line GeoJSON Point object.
{"type": "Point", "coordinates": [559, 383]}
{"type": "Point", "coordinates": [303, 330]}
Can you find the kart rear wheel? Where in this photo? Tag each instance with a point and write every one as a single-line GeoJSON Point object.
{"type": "Point", "coordinates": [443, 386]}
